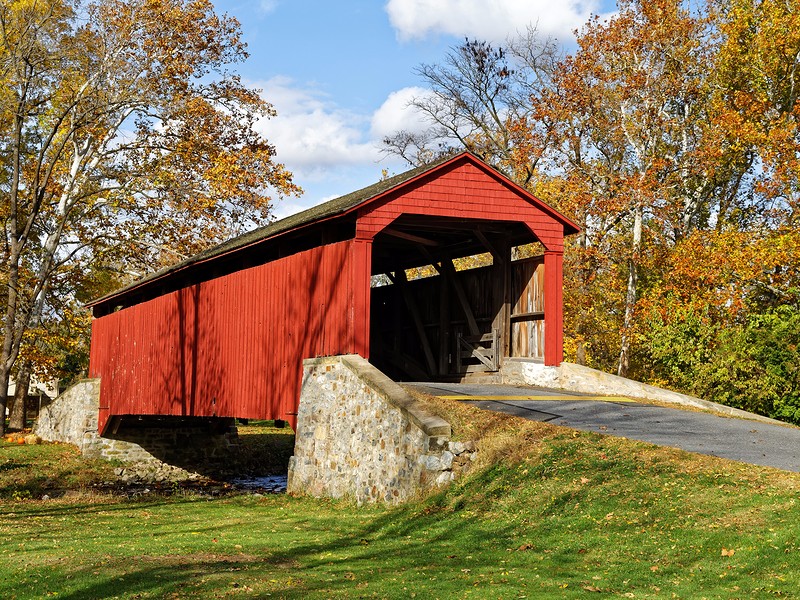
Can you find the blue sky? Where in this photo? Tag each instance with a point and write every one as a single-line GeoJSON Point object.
{"type": "Point", "coordinates": [340, 74]}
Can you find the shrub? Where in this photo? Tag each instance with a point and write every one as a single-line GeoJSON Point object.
{"type": "Point", "coordinates": [754, 365]}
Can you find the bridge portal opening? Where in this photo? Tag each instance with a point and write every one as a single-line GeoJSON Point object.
{"type": "Point", "coordinates": [452, 298]}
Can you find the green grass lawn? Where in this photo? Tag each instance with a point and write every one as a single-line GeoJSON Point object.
{"type": "Point", "coordinates": [545, 513]}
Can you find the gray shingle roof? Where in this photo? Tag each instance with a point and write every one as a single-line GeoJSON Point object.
{"type": "Point", "coordinates": [323, 211]}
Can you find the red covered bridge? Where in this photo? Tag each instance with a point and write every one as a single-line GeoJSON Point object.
{"type": "Point", "coordinates": [224, 333]}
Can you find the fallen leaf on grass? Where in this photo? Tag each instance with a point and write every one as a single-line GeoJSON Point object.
{"type": "Point", "coordinates": [525, 547]}
{"type": "Point", "coordinates": [591, 588]}
{"type": "Point", "coordinates": [726, 552]}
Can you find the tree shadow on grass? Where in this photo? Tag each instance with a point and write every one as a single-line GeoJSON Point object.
{"type": "Point", "coordinates": [162, 577]}
{"type": "Point", "coordinates": [57, 509]}
{"type": "Point", "coordinates": [11, 466]}
{"type": "Point", "coordinates": [373, 552]}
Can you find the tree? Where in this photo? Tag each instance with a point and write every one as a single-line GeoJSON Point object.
{"type": "Point", "coordinates": [758, 103]}
{"type": "Point", "coordinates": [672, 137]}
{"type": "Point", "coordinates": [477, 91]}
{"type": "Point", "coordinates": [630, 106]}
{"type": "Point", "coordinates": [123, 133]}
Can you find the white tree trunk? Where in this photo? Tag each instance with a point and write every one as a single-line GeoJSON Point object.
{"type": "Point", "coordinates": [630, 296]}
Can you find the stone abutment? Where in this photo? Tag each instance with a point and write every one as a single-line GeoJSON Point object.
{"type": "Point", "coordinates": [362, 436]}
{"type": "Point", "coordinates": [157, 448]}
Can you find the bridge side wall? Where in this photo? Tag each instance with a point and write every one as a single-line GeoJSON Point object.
{"type": "Point", "coordinates": [361, 436]}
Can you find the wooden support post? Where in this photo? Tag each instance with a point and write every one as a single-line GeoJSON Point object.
{"type": "Point", "coordinates": [401, 282]}
{"type": "Point", "coordinates": [553, 308]}
{"type": "Point", "coordinates": [444, 326]}
{"type": "Point", "coordinates": [449, 271]}
{"type": "Point", "coordinates": [505, 332]}
{"type": "Point", "coordinates": [459, 343]}
{"type": "Point", "coordinates": [362, 266]}
{"type": "Point", "coordinates": [500, 301]}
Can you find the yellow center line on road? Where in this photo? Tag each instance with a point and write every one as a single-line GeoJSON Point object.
{"type": "Point", "coordinates": [544, 398]}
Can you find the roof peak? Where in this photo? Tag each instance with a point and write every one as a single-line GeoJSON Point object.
{"type": "Point", "coordinates": [328, 210]}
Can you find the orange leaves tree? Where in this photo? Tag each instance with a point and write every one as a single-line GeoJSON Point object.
{"type": "Point", "coordinates": [628, 107]}
{"type": "Point", "coordinates": [679, 127]}
{"type": "Point", "coordinates": [671, 135]}
{"type": "Point", "coordinates": [723, 318]}
{"type": "Point", "coordinates": [123, 133]}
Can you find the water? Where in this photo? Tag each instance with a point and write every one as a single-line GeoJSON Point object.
{"type": "Point", "coordinates": [272, 484]}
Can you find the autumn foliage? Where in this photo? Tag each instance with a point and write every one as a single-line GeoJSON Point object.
{"type": "Point", "coordinates": [671, 135]}
{"type": "Point", "coordinates": [126, 143]}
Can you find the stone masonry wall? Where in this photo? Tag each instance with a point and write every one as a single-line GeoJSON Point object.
{"type": "Point", "coordinates": [360, 435]}
{"type": "Point", "coordinates": [72, 417]}
{"type": "Point", "coordinates": [152, 448]}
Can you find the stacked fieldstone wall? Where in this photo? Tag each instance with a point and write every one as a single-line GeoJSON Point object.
{"type": "Point", "coordinates": [72, 417]}
{"type": "Point", "coordinates": [149, 448]}
{"type": "Point", "coordinates": [360, 435]}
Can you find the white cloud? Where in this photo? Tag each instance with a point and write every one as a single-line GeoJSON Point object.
{"type": "Point", "coordinates": [267, 6]}
{"type": "Point", "coordinates": [310, 133]}
{"type": "Point", "coordinates": [330, 151]}
{"type": "Point", "coordinates": [396, 114]}
{"type": "Point", "coordinates": [492, 20]}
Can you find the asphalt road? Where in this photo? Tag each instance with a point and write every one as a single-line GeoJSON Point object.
{"type": "Point", "coordinates": [747, 441]}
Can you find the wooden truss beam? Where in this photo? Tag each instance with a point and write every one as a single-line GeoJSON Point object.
{"type": "Point", "coordinates": [448, 270]}
{"type": "Point", "coordinates": [418, 239]}
{"type": "Point", "coordinates": [399, 279]}
{"type": "Point", "coordinates": [496, 255]}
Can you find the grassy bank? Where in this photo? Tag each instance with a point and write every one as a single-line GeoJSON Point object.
{"type": "Point", "coordinates": [546, 513]}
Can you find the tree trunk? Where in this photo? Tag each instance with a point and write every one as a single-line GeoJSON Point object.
{"type": "Point", "coordinates": [19, 413]}
{"type": "Point", "coordinates": [8, 354]}
{"type": "Point", "coordinates": [630, 296]}
{"type": "Point", "coordinates": [580, 353]}
{"type": "Point", "coordinates": [584, 272]}
{"type": "Point", "coordinates": [3, 399]}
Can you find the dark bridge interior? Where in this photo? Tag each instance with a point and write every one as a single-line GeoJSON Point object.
{"type": "Point", "coordinates": [448, 301]}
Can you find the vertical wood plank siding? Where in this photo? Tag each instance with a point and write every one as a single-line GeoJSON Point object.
{"type": "Point", "coordinates": [527, 310]}
{"type": "Point", "coordinates": [231, 346]}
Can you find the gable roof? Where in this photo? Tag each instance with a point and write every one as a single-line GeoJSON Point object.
{"type": "Point", "coordinates": [332, 209]}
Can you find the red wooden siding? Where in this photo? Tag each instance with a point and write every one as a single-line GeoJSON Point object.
{"type": "Point", "coordinates": [232, 346]}
{"type": "Point", "coordinates": [465, 191]}
{"type": "Point", "coordinates": [471, 192]}
{"type": "Point", "coordinates": [553, 308]}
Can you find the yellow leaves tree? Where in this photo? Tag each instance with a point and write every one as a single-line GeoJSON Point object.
{"type": "Point", "coordinates": [123, 132]}
{"type": "Point", "coordinates": [756, 100]}
{"type": "Point", "coordinates": [671, 136]}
